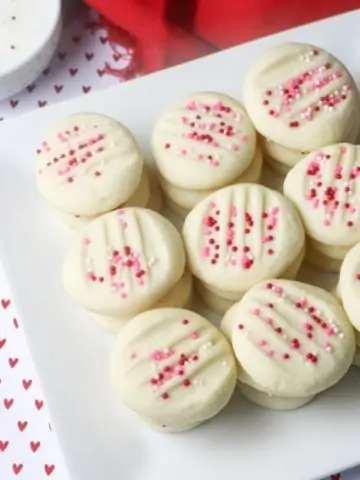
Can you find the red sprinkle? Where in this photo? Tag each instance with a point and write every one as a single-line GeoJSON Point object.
{"type": "Point", "coordinates": [286, 356]}
{"type": "Point", "coordinates": [165, 396]}
{"type": "Point", "coordinates": [241, 326]}
{"type": "Point", "coordinates": [311, 358]}
{"type": "Point", "coordinates": [186, 383]}
{"type": "Point", "coordinates": [185, 321]}
{"type": "Point", "coordinates": [295, 344]}
{"type": "Point", "coordinates": [293, 124]}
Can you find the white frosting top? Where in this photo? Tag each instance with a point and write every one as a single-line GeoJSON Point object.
{"type": "Point", "coordinates": [203, 141]}
{"type": "Point", "coordinates": [88, 164]}
{"type": "Point", "coordinates": [124, 262]}
{"type": "Point", "coordinates": [173, 366]}
{"type": "Point", "coordinates": [241, 235]}
{"type": "Point", "coordinates": [349, 286]}
{"type": "Point", "coordinates": [291, 339]}
{"type": "Point", "coordinates": [325, 187]}
{"type": "Point", "coordinates": [302, 97]}
{"type": "Point", "coordinates": [25, 26]}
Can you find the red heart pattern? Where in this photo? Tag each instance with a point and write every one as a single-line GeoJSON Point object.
{"type": "Point", "coordinates": [34, 446]}
{"type": "Point", "coordinates": [84, 61]}
{"type": "Point", "coordinates": [5, 303]}
{"type": "Point", "coordinates": [28, 448]}
{"type": "Point", "coordinates": [17, 467]}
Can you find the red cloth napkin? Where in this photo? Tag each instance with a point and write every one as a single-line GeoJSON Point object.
{"type": "Point", "coordinates": [167, 32]}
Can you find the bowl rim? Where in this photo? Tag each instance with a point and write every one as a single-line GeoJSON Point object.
{"type": "Point", "coordinates": [47, 38]}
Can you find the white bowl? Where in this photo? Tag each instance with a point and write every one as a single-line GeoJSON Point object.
{"type": "Point", "coordinates": [29, 35]}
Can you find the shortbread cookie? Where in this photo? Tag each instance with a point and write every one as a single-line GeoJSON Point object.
{"type": "Point", "coordinates": [279, 158]}
{"type": "Point", "coordinates": [241, 235]}
{"type": "Point", "coordinates": [88, 164]}
{"type": "Point", "coordinates": [349, 287]}
{"type": "Point", "coordinates": [325, 189]}
{"type": "Point", "coordinates": [140, 198]}
{"type": "Point", "coordinates": [173, 368]}
{"type": "Point", "coordinates": [179, 296]}
{"type": "Point", "coordinates": [187, 199]}
{"type": "Point", "coordinates": [272, 401]}
{"type": "Point", "coordinates": [215, 302]}
{"type": "Point", "coordinates": [302, 97]}
{"type": "Point", "coordinates": [203, 141]}
{"type": "Point", "coordinates": [124, 262]}
{"type": "Point", "coordinates": [221, 301]}
{"type": "Point", "coordinates": [291, 339]}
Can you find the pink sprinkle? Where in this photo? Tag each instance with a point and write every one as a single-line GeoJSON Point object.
{"type": "Point", "coordinates": [275, 210]}
{"type": "Point", "coordinates": [206, 251]}
{"type": "Point", "coordinates": [244, 138]}
{"type": "Point", "coordinates": [163, 354]}
{"type": "Point", "coordinates": [123, 295]}
{"type": "Point", "coordinates": [234, 147]}
{"type": "Point", "coordinates": [279, 290]}
{"type": "Point", "coordinates": [87, 241]}
{"type": "Point", "coordinates": [308, 326]}
{"type": "Point", "coordinates": [194, 335]}
{"type": "Point", "coordinates": [331, 331]}
{"type": "Point", "coordinates": [256, 311]}
{"type": "Point", "coordinates": [270, 353]}
{"type": "Point", "coordinates": [133, 356]}
{"type": "Point", "coordinates": [343, 149]}
{"type": "Point", "coordinates": [262, 343]}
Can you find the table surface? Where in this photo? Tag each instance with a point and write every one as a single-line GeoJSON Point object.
{"type": "Point", "coordinates": [28, 445]}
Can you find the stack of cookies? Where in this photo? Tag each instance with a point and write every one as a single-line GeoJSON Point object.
{"type": "Point", "coordinates": [173, 368]}
{"type": "Point", "coordinates": [201, 143]}
{"type": "Point", "coordinates": [348, 290]}
{"type": "Point", "coordinates": [300, 98]}
{"type": "Point", "coordinates": [124, 263]}
{"type": "Point", "coordinates": [324, 188]}
{"type": "Point", "coordinates": [239, 236]}
{"type": "Point", "coordinates": [89, 164]}
{"type": "Point", "coordinates": [292, 341]}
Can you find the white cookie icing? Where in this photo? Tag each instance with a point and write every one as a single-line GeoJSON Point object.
{"type": "Point", "coordinates": [88, 164]}
{"type": "Point", "coordinates": [241, 235]}
{"type": "Point", "coordinates": [325, 187]}
{"type": "Point", "coordinates": [179, 296]}
{"type": "Point", "coordinates": [124, 262]}
{"type": "Point", "coordinates": [173, 367]}
{"type": "Point", "coordinates": [187, 199]}
{"type": "Point", "coordinates": [203, 141]}
{"type": "Point", "coordinates": [349, 286]}
{"type": "Point", "coordinates": [290, 339]}
{"type": "Point", "coordinates": [302, 97]}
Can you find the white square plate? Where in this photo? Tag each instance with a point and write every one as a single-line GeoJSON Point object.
{"type": "Point", "coordinates": [101, 440]}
